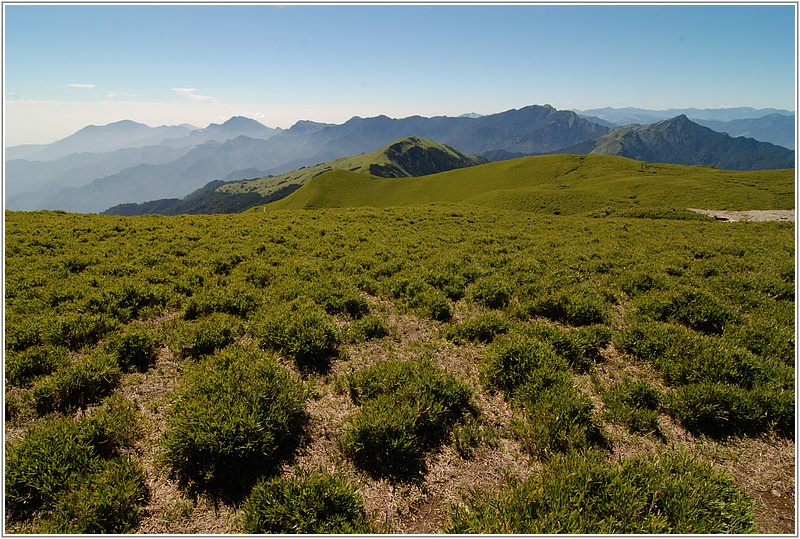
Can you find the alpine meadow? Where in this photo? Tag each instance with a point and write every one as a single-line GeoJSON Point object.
{"type": "Point", "coordinates": [546, 344]}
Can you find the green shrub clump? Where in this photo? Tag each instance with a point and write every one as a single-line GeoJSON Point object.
{"type": "Point", "coordinates": [205, 336]}
{"type": "Point", "coordinates": [135, 348]}
{"type": "Point", "coordinates": [303, 332]}
{"type": "Point", "coordinates": [556, 416]}
{"type": "Point", "coordinates": [22, 368]}
{"type": "Point", "coordinates": [583, 493]}
{"type": "Point", "coordinates": [407, 408]}
{"type": "Point", "coordinates": [77, 385]}
{"type": "Point", "coordinates": [491, 292]}
{"type": "Point", "coordinates": [236, 416]}
{"type": "Point", "coordinates": [310, 503]}
{"type": "Point", "coordinates": [696, 309]}
{"type": "Point", "coordinates": [68, 477]}
{"type": "Point", "coordinates": [633, 403]}
{"type": "Point", "coordinates": [483, 328]}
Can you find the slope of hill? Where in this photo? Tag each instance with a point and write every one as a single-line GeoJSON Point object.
{"type": "Point", "coordinates": [682, 141]}
{"type": "Point", "coordinates": [561, 184]}
{"type": "Point", "coordinates": [411, 156]}
{"type": "Point", "coordinates": [773, 128]}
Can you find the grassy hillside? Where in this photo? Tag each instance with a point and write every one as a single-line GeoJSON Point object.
{"type": "Point", "coordinates": [444, 368]}
{"type": "Point", "coordinates": [565, 184]}
{"type": "Point", "coordinates": [410, 156]}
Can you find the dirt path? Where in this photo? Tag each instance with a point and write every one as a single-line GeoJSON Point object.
{"type": "Point", "coordinates": [748, 215]}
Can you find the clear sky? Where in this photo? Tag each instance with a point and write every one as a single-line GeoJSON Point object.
{"type": "Point", "coordinates": [67, 66]}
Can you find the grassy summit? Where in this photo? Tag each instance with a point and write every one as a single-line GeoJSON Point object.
{"type": "Point", "coordinates": [410, 156]}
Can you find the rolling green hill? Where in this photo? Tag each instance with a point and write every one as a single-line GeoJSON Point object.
{"type": "Point", "coordinates": [410, 156]}
{"type": "Point", "coordinates": [566, 184]}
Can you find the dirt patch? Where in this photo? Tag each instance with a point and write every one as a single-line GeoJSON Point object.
{"type": "Point", "coordinates": [748, 215]}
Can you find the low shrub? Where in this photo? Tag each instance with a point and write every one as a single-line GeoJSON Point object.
{"type": "Point", "coordinates": [129, 301]}
{"type": "Point", "coordinates": [450, 284]}
{"type": "Point", "coordinates": [206, 335]}
{"type": "Point", "coordinates": [311, 503]}
{"type": "Point", "coordinates": [368, 328]}
{"type": "Point", "coordinates": [583, 493]}
{"type": "Point", "coordinates": [721, 410]}
{"type": "Point", "coordinates": [512, 360]}
{"type": "Point", "coordinates": [339, 297]}
{"type": "Point", "coordinates": [579, 346]}
{"type": "Point", "coordinates": [574, 307]}
{"type": "Point", "coordinates": [134, 348]}
{"type": "Point", "coordinates": [483, 328]}
{"type": "Point", "coordinates": [84, 382]}
{"type": "Point", "coordinates": [110, 500]}
{"type": "Point", "coordinates": [693, 308]}
{"type": "Point", "coordinates": [236, 416]}
{"type": "Point", "coordinates": [302, 332]}
{"type": "Point", "coordinates": [75, 330]}
{"type": "Point", "coordinates": [233, 298]}
{"type": "Point", "coordinates": [633, 403]}
{"type": "Point", "coordinates": [557, 417]}
{"type": "Point", "coordinates": [407, 408]}
{"type": "Point", "coordinates": [68, 476]}
{"type": "Point", "coordinates": [491, 292]}
{"type": "Point", "coordinates": [22, 368]}
{"type": "Point", "coordinates": [436, 306]}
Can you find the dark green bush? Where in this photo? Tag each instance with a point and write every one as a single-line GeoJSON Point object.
{"type": "Point", "coordinates": [311, 503]}
{"type": "Point", "coordinates": [70, 473]}
{"type": "Point", "coordinates": [42, 463]}
{"type": "Point", "coordinates": [575, 307]}
{"type": "Point", "coordinates": [236, 416]}
{"type": "Point", "coordinates": [23, 367]}
{"type": "Point", "coordinates": [84, 382]}
{"type": "Point", "coordinates": [129, 301]}
{"type": "Point", "coordinates": [206, 335]}
{"type": "Point", "coordinates": [491, 292]}
{"type": "Point", "coordinates": [558, 417]}
{"type": "Point", "coordinates": [565, 342]}
{"type": "Point", "coordinates": [721, 410]}
{"type": "Point", "coordinates": [302, 332]}
{"type": "Point", "coordinates": [367, 328]}
{"type": "Point", "coordinates": [110, 500]}
{"type": "Point", "coordinates": [234, 299]}
{"type": "Point", "coordinates": [134, 348]}
{"type": "Point", "coordinates": [583, 493]}
{"type": "Point", "coordinates": [407, 408]}
{"type": "Point", "coordinates": [339, 297]}
{"type": "Point", "coordinates": [75, 330]}
{"type": "Point", "coordinates": [435, 305]}
{"type": "Point", "coordinates": [22, 332]}
{"type": "Point", "coordinates": [633, 403]}
{"type": "Point", "coordinates": [693, 308]}
{"type": "Point", "coordinates": [450, 284]}
{"type": "Point", "coordinates": [512, 360]}
{"type": "Point", "coordinates": [483, 328]}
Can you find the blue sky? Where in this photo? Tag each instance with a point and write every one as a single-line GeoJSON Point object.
{"type": "Point", "coordinates": [67, 66]}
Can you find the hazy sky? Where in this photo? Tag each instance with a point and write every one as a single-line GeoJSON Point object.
{"type": "Point", "coordinates": [67, 66]}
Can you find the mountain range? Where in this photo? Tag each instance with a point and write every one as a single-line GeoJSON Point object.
{"type": "Point", "coordinates": [131, 167]}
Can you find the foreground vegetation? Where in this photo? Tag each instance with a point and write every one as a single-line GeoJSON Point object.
{"type": "Point", "coordinates": [320, 361]}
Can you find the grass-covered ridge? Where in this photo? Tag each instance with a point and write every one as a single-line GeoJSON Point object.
{"type": "Point", "coordinates": [410, 156]}
{"type": "Point", "coordinates": [516, 346]}
{"type": "Point", "coordinates": [560, 184]}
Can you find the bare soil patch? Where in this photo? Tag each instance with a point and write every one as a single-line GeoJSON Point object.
{"type": "Point", "coordinates": [748, 215]}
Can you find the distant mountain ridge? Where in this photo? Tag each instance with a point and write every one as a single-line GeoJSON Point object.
{"type": "Point", "coordinates": [683, 142]}
{"type": "Point", "coordinates": [243, 148]}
